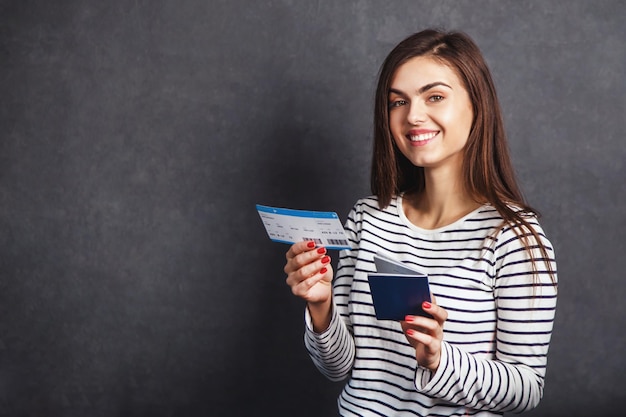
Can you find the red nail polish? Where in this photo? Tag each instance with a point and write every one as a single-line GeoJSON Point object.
{"type": "Point", "coordinates": [311, 245]}
{"type": "Point", "coordinates": [325, 259]}
{"type": "Point", "coordinates": [321, 250]}
{"type": "Point", "coordinates": [323, 270]}
{"type": "Point", "coordinates": [426, 305]}
{"type": "Point", "coordinates": [410, 332]}
{"type": "Point", "coordinates": [409, 318]}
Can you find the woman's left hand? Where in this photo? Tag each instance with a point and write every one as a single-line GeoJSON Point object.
{"type": "Point", "coordinates": [425, 334]}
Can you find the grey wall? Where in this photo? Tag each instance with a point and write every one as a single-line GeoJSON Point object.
{"type": "Point", "coordinates": [136, 278]}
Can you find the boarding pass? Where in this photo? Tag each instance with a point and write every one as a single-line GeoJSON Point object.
{"type": "Point", "coordinates": [290, 226]}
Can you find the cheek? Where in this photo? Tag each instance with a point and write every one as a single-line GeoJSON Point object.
{"type": "Point", "coordinates": [466, 117]}
{"type": "Point", "coordinates": [457, 120]}
{"type": "Point", "coordinates": [447, 116]}
{"type": "Point", "coordinates": [396, 121]}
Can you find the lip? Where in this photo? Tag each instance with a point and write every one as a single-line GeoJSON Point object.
{"type": "Point", "coordinates": [421, 137]}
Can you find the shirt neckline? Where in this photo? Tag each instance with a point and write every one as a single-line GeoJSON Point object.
{"type": "Point", "coordinates": [441, 229]}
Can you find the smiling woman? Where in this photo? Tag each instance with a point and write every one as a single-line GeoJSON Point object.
{"type": "Point", "coordinates": [446, 203]}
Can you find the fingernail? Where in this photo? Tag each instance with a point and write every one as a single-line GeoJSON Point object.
{"type": "Point", "coordinates": [323, 270]}
{"type": "Point", "coordinates": [321, 250]}
{"type": "Point", "coordinates": [426, 305]}
{"type": "Point", "coordinates": [410, 332]}
{"type": "Point", "coordinates": [311, 245]}
{"type": "Point", "coordinates": [409, 318]}
{"type": "Point", "coordinates": [325, 259]}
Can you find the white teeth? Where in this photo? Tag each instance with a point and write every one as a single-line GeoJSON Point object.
{"type": "Point", "coordinates": [423, 136]}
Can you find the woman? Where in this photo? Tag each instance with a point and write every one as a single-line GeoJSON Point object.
{"type": "Point", "coordinates": [445, 202]}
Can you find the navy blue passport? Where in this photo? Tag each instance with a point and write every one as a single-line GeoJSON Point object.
{"type": "Point", "coordinates": [395, 295]}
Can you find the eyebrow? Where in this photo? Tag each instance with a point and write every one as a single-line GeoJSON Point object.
{"type": "Point", "coordinates": [423, 88]}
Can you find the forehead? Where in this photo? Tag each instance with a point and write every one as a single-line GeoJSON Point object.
{"type": "Point", "coordinates": [419, 71]}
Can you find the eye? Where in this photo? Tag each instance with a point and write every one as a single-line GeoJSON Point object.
{"type": "Point", "coordinates": [397, 103]}
{"type": "Point", "coordinates": [435, 98]}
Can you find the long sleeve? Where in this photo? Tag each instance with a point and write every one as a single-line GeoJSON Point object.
{"type": "Point", "coordinates": [525, 304]}
{"type": "Point", "coordinates": [333, 350]}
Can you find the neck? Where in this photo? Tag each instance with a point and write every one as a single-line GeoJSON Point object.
{"type": "Point", "coordinates": [444, 200]}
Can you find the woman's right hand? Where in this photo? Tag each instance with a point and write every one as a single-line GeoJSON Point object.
{"type": "Point", "coordinates": [309, 273]}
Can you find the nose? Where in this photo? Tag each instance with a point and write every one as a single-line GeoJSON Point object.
{"type": "Point", "coordinates": [417, 113]}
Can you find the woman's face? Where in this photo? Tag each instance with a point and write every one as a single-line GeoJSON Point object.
{"type": "Point", "coordinates": [430, 114]}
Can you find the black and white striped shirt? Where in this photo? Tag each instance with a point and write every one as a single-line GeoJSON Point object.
{"type": "Point", "coordinates": [495, 339]}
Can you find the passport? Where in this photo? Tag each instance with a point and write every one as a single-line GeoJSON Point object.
{"type": "Point", "coordinates": [397, 290]}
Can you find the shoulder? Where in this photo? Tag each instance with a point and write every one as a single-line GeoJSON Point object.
{"type": "Point", "coordinates": [367, 213]}
{"type": "Point", "coordinates": [370, 206]}
{"type": "Point", "coordinates": [525, 222]}
{"type": "Point", "coordinates": [368, 201]}
{"type": "Point", "coordinates": [516, 228]}
{"type": "Point", "coordinates": [486, 214]}
{"type": "Point", "coordinates": [516, 220]}
{"type": "Point", "coordinates": [367, 204]}
{"type": "Point", "coordinates": [524, 231]}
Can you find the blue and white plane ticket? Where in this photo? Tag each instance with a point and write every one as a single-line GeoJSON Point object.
{"type": "Point", "coordinates": [290, 226]}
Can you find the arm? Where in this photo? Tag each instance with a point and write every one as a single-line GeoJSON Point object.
{"type": "Point", "coordinates": [332, 350]}
{"type": "Point", "coordinates": [513, 380]}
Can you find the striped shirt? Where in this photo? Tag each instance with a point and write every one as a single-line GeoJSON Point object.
{"type": "Point", "coordinates": [496, 337]}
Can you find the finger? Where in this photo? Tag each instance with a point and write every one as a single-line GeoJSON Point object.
{"type": "Point", "coordinates": [303, 287]}
{"type": "Point", "coordinates": [304, 272]}
{"type": "Point", "coordinates": [438, 313]}
{"type": "Point", "coordinates": [296, 260]}
{"type": "Point", "coordinates": [299, 247]}
{"type": "Point", "coordinates": [421, 338]}
{"type": "Point", "coordinates": [314, 267]}
{"type": "Point", "coordinates": [420, 324]}
{"type": "Point", "coordinates": [417, 337]}
{"type": "Point", "coordinates": [405, 325]}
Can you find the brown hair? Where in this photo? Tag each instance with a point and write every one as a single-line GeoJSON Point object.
{"type": "Point", "coordinates": [487, 169]}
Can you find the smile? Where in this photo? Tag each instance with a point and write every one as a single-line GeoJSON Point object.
{"type": "Point", "coordinates": [421, 137]}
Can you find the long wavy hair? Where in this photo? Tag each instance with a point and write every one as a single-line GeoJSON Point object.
{"type": "Point", "coordinates": [487, 169]}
